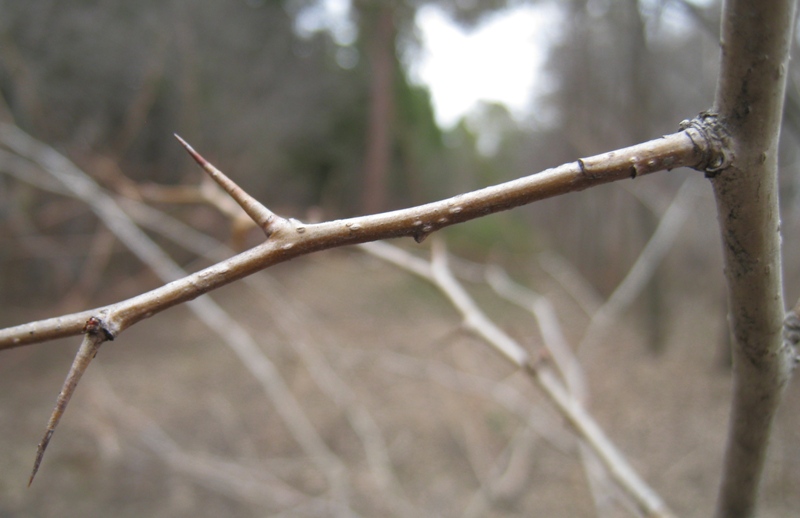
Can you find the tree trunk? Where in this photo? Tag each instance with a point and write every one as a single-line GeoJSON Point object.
{"type": "Point", "coordinates": [380, 46]}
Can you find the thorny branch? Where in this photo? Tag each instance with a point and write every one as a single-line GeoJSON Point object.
{"type": "Point", "coordinates": [286, 321]}
{"type": "Point", "coordinates": [72, 181]}
{"type": "Point", "coordinates": [756, 37]}
{"type": "Point", "coordinates": [287, 239]}
{"type": "Point", "coordinates": [295, 238]}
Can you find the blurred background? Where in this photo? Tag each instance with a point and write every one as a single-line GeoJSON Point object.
{"type": "Point", "coordinates": [332, 108]}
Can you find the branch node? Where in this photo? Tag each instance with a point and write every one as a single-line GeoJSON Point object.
{"type": "Point", "coordinates": [791, 336]}
{"type": "Point", "coordinates": [94, 326]}
{"type": "Point", "coordinates": [262, 216]}
{"type": "Point", "coordinates": [584, 169]}
{"type": "Point", "coordinates": [538, 360]}
{"type": "Point", "coordinates": [712, 141]}
{"type": "Point", "coordinates": [423, 233]}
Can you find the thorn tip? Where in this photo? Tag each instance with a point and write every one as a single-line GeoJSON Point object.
{"type": "Point", "coordinates": [194, 154]}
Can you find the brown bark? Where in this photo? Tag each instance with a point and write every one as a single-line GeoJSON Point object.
{"type": "Point", "coordinates": [377, 161]}
{"type": "Point", "coordinates": [292, 238]}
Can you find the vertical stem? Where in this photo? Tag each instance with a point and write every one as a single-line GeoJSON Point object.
{"type": "Point", "coordinates": [755, 44]}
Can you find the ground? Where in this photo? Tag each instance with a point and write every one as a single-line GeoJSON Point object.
{"type": "Point", "coordinates": [168, 423]}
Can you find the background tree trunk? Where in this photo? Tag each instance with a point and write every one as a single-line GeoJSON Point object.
{"type": "Point", "coordinates": [380, 37]}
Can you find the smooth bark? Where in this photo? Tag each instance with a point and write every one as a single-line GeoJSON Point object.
{"type": "Point", "coordinates": [756, 37]}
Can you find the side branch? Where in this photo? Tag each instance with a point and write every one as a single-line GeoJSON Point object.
{"type": "Point", "coordinates": [294, 239]}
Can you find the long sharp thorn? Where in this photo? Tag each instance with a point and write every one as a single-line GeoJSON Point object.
{"type": "Point", "coordinates": [88, 350]}
{"type": "Point", "coordinates": [263, 217]}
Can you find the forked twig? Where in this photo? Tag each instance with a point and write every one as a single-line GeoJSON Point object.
{"type": "Point", "coordinates": [601, 487]}
{"type": "Point", "coordinates": [439, 274]}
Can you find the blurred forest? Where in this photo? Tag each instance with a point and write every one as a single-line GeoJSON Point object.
{"type": "Point", "coordinates": [320, 126]}
{"type": "Point", "coordinates": [311, 124]}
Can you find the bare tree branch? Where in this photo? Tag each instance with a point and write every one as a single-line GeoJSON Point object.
{"type": "Point", "coordinates": [687, 148]}
{"type": "Point", "coordinates": [756, 38]}
{"type": "Point", "coordinates": [439, 273]}
{"type": "Point", "coordinates": [500, 393]}
{"type": "Point", "coordinates": [78, 184]}
{"type": "Point", "coordinates": [602, 488]}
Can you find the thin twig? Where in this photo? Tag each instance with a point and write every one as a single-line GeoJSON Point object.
{"type": "Point", "coordinates": [508, 474]}
{"type": "Point", "coordinates": [601, 487]}
{"type": "Point", "coordinates": [549, 328]}
{"type": "Point", "coordinates": [571, 281]}
{"type": "Point", "coordinates": [501, 393]}
{"type": "Point", "coordinates": [645, 265]}
{"type": "Point", "coordinates": [570, 408]}
{"type": "Point", "coordinates": [245, 482]}
{"type": "Point", "coordinates": [289, 318]}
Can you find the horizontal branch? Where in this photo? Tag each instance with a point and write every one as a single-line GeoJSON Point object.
{"type": "Point", "coordinates": [683, 149]}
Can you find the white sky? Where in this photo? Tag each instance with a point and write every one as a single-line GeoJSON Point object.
{"type": "Point", "coordinates": [499, 60]}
